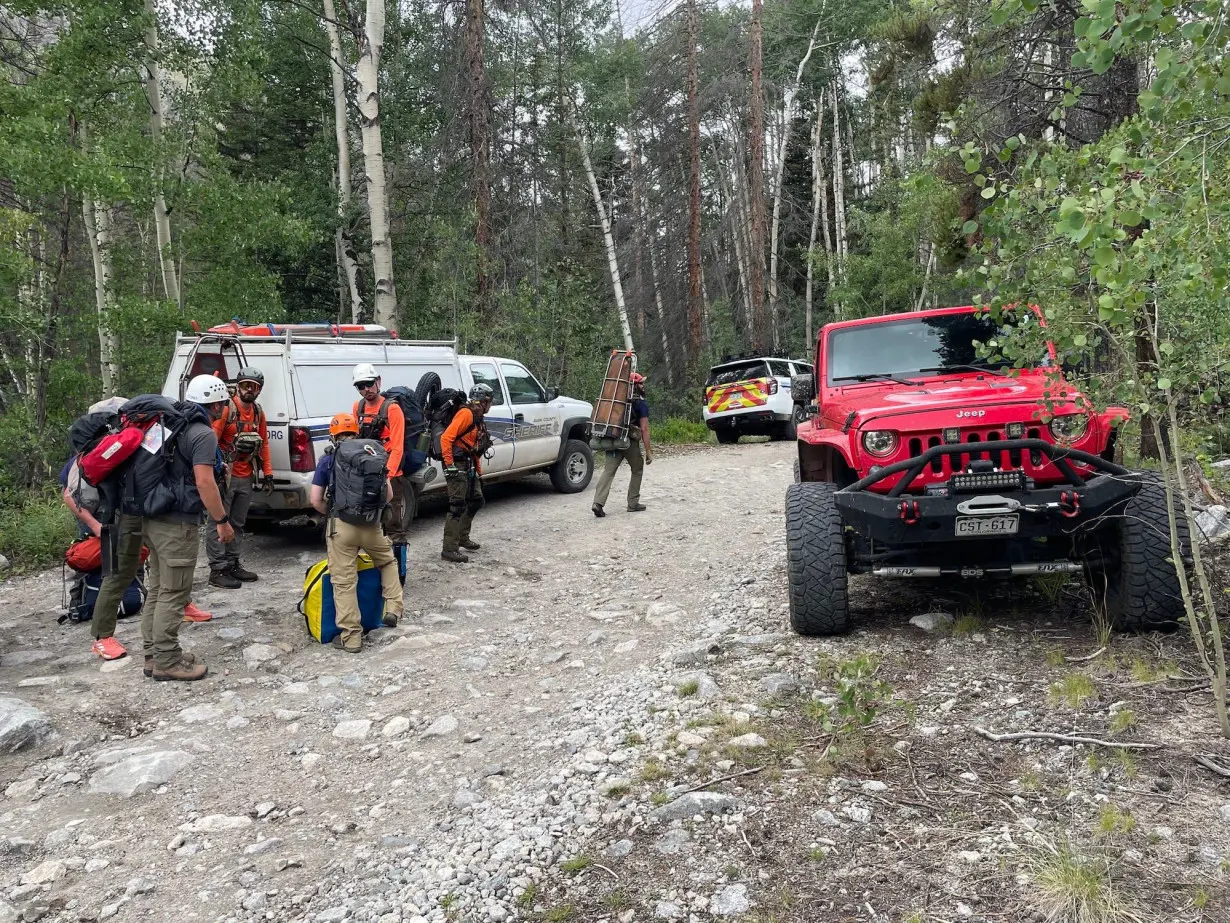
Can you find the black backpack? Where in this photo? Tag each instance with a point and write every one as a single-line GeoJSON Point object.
{"type": "Point", "coordinates": [88, 430]}
{"type": "Point", "coordinates": [441, 409]}
{"type": "Point", "coordinates": [411, 410]}
{"type": "Point", "coordinates": [153, 484]}
{"type": "Point", "coordinates": [357, 484]}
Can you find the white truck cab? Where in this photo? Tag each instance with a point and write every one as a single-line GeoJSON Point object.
{"type": "Point", "coordinates": [307, 371]}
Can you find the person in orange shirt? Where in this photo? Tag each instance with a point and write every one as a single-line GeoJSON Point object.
{"type": "Point", "coordinates": [243, 436]}
{"type": "Point", "coordinates": [462, 447]}
{"type": "Point", "coordinates": [382, 420]}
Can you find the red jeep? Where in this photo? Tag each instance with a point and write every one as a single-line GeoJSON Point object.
{"type": "Point", "coordinates": [920, 458]}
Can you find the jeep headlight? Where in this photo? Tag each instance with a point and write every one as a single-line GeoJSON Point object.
{"type": "Point", "coordinates": [1069, 427]}
{"type": "Point", "coordinates": [880, 442]}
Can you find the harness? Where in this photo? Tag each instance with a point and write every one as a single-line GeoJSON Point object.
{"type": "Point", "coordinates": [243, 449]}
{"type": "Point", "coordinates": [372, 425]}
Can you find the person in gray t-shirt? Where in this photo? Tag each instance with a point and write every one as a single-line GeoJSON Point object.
{"type": "Point", "coordinates": [174, 540]}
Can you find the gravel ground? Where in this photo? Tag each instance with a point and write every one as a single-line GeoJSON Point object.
{"type": "Point", "coordinates": [606, 720]}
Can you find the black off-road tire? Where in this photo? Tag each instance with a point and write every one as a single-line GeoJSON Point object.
{"type": "Point", "coordinates": [816, 560]}
{"type": "Point", "coordinates": [567, 474]}
{"type": "Point", "coordinates": [1129, 568]}
{"type": "Point", "coordinates": [428, 385]}
{"type": "Point", "coordinates": [784, 432]}
{"type": "Point", "coordinates": [726, 435]}
{"type": "Point", "coordinates": [798, 472]}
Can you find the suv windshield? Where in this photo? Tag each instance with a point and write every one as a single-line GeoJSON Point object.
{"type": "Point", "coordinates": [926, 345]}
{"type": "Point", "coordinates": [738, 371]}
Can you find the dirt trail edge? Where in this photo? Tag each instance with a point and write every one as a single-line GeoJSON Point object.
{"type": "Point", "coordinates": [604, 720]}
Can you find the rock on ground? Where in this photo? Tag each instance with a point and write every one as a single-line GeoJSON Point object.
{"type": "Point", "coordinates": [141, 773]}
{"type": "Point", "coordinates": [693, 803]}
{"type": "Point", "coordinates": [21, 725]}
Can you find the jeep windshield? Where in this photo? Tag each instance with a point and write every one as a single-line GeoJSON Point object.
{"type": "Point", "coordinates": [738, 371]}
{"type": "Point", "coordinates": [905, 349]}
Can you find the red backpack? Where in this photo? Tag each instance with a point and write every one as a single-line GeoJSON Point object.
{"type": "Point", "coordinates": [113, 451]}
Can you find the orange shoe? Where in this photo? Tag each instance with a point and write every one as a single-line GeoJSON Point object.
{"type": "Point", "coordinates": [109, 649]}
{"type": "Point", "coordinates": [193, 614]}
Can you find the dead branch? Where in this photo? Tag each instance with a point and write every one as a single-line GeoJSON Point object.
{"type": "Point", "coordinates": [1210, 764]}
{"type": "Point", "coordinates": [1063, 738]}
{"type": "Point", "coordinates": [1094, 656]}
{"type": "Point", "coordinates": [733, 775]}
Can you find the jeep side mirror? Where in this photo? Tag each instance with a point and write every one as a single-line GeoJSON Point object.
{"type": "Point", "coordinates": [802, 389]}
{"type": "Point", "coordinates": [552, 393]}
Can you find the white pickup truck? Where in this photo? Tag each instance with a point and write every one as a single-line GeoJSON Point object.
{"type": "Point", "coordinates": [308, 379]}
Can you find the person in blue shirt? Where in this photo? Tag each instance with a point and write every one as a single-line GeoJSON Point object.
{"type": "Point", "coordinates": [638, 433]}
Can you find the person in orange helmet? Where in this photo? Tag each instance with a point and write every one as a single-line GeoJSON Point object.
{"type": "Point", "coordinates": [345, 540]}
{"type": "Point", "coordinates": [638, 435]}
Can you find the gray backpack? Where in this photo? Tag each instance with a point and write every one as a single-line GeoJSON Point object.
{"type": "Point", "coordinates": [356, 489]}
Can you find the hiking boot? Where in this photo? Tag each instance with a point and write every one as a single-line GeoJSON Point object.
{"type": "Point", "coordinates": [598, 511]}
{"type": "Point", "coordinates": [109, 649]}
{"type": "Point", "coordinates": [239, 572]}
{"type": "Point", "coordinates": [638, 508]}
{"type": "Point", "coordinates": [470, 544]}
{"type": "Point", "coordinates": [354, 648]}
{"type": "Point", "coordinates": [390, 619]}
{"type": "Point", "coordinates": [223, 579]}
{"type": "Point", "coordinates": [193, 614]}
{"type": "Point", "coordinates": [455, 556]}
{"type": "Point", "coordinates": [184, 656]}
{"type": "Point", "coordinates": [183, 672]}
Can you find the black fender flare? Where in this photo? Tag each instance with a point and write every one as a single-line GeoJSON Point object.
{"type": "Point", "coordinates": [565, 429]}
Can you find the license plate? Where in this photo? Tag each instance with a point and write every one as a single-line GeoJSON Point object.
{"type": "Point", "coordinates": [968, 526]}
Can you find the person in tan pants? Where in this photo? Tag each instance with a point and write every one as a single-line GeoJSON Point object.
{"type": "Point", "coordinates": [345, 540]}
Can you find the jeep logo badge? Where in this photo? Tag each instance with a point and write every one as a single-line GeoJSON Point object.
{"type": "Point", "coordinates": [967, 414]}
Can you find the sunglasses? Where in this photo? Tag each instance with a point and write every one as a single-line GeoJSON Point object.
{"type": "Point", "coordinates": [363, 385]}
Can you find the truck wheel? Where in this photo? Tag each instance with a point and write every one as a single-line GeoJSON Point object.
{"type": "Point", "coordinates": [786, 432]}
{"type": "Point", "coordinates": [798, 472]}
{"type": "Point", "coordinates": [573, 472]}
{"type": "Point", "coordinates": [816, 560]}
{"type": "Point", "coordinates": [726, 435]}
{"type": "Point", "coordinates": [1129, 568]}
{"type": "Point", "coordinates": [428, 385]}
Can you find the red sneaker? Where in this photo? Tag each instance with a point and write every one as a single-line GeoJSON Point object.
{"type": "Point", "coordinates": [109, 649]}
{"type": "Point", "coordinates": [193, 614]}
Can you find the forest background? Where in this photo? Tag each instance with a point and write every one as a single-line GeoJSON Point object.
{"type": "Point", "coordinates": [548, 179]}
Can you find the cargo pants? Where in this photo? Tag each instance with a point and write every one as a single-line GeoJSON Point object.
{"type": "Point", "coordinates": [236, 501]}
{"type": "Point", "coordinates": [344, 541]}
{"type": "Point", "coordinates": [394, 518]}
{"type": "Point", "coordinates": [465, 499]}
{"type": "Point", "coordinates": [613, 459]}
{"type": "Point", "coordinates": [173, 549]}
{"type": "Point", "coordinates": [111, 593]}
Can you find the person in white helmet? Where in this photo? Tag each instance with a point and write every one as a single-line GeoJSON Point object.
{"type": "Point", "coordinates": [381, 419]}
{"type": "Point", "coordinates": [189, 477]}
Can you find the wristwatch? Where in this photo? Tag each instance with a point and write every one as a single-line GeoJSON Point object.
{"type": "Point", "coordinates": [224, 521]}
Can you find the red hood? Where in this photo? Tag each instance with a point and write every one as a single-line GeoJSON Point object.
{"type": "Point", "coordinates": [892, 399]}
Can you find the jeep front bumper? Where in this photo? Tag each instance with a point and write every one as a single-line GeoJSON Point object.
{"type": "Point", "coordinates": [966, 512]}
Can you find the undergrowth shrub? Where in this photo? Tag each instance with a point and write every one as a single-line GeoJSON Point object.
{"type": "Point", "coordinates": [35, 528]}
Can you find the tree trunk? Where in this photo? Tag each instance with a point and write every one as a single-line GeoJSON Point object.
{"type": "Point", "coordinates": [817, 196]}
{"type": "Point", "coordinates": [373, 160]}
{"type": "Point", "coordinates": [162, 219]}
{"type": "Point", "coordinates": [792, 93]}
{"type": "Point", "coordinates": [736, 236]}
{"type": "Point", "coordinates": [99, 225]}
{"type": "Point", "coordinates": [694, 280]}
{"type": "Point", "coordinates": [661, 311]}
{"type": "Point", "coordinates": [841, 244]}
{"type": "Point", "coordinates": [476, 103]}
{"type": "Point", "coordinates": [348, 264]}
{"type": "Point", "coordinates": [755, 181]}
{"type": "Point", "coordinates": [47, 347]}
{"type": "Point", "coordinates": [612, 255]}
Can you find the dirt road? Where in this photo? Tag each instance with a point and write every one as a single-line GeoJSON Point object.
{"type": "Point", "coordinates": [522, 746]}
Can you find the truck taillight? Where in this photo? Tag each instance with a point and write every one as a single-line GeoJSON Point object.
{"type": "Point", "coordinates": [302, 455]}
{"type": "Point", "coordinates": [772, 385]}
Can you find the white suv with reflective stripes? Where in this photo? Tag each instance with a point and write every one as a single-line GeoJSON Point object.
{"type": "Point", "coordinates": [308, 380]}
{"type": "Point", "coordinates": [750, 396]}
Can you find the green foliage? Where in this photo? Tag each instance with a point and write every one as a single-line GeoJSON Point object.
{"type": "Point", "coordinates": [35, 528]}
{"type": "Point", "coordinates": [679, 432]}
{"type": "Point", "coordinates": [1073, 690]}
{"type": "Point", "coordinates": [860, 694]}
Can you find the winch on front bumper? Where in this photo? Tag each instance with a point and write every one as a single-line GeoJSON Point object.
{"type": "Point", "coordinates": [983, 502]}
